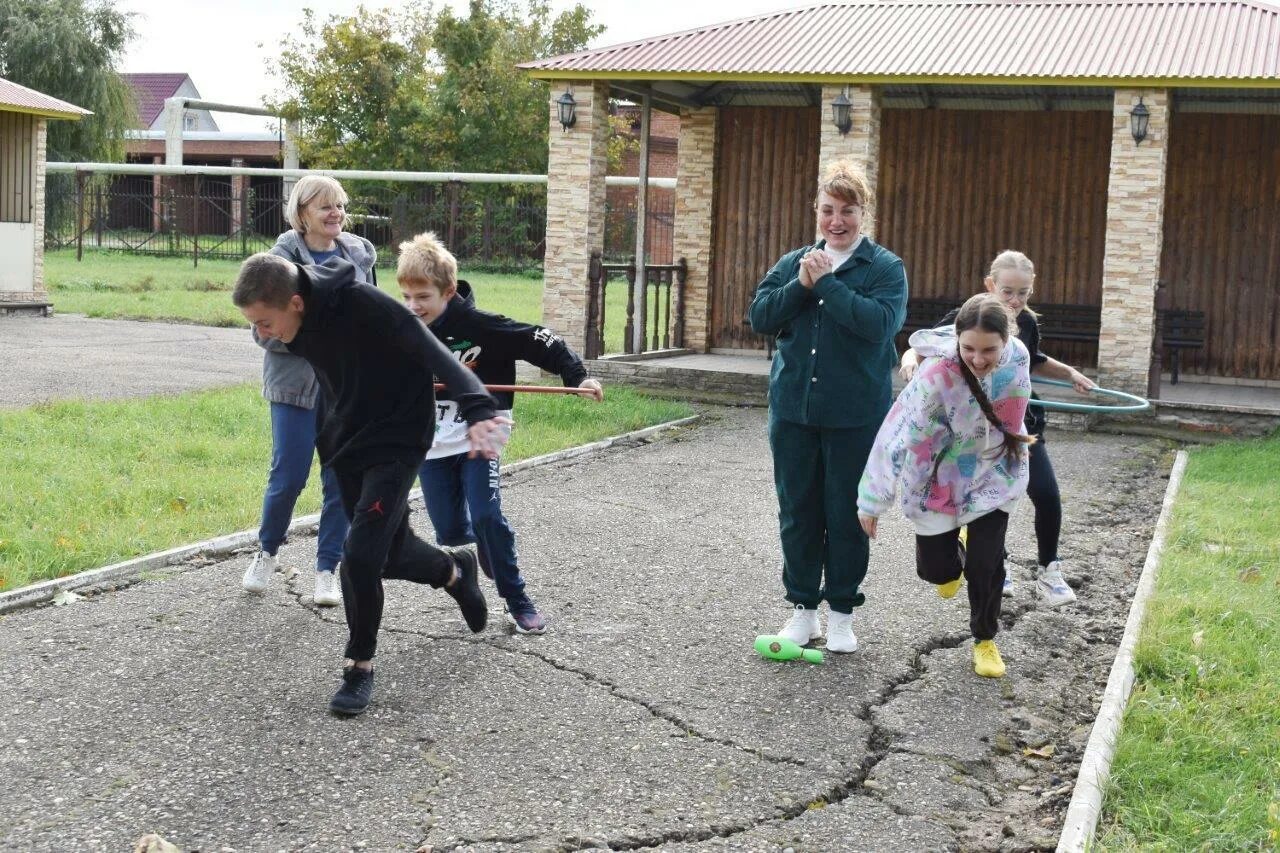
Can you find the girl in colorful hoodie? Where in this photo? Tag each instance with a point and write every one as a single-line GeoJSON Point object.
{"type": "Point", "coordinates": [955, 439]}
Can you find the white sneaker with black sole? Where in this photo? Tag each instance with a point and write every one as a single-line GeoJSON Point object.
{"type": "Point", "coordinates": [258, 576]}
{"type": "Point", "coordinates": [328, 591]}
{"type": "Point", "coordinates": [803, 626]}
{"type": "Point", "coordinates": [1051, 586]}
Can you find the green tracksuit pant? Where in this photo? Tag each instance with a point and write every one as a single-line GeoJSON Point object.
{"type": "Point", "coordinates": [816, 471]}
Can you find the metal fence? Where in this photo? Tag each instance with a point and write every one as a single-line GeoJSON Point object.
{"type": "Point", "coordinates": [230, 216]}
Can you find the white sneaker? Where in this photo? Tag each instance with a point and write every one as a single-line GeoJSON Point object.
{"type": "Point", "coordinates": [328, 592]}
{"type": "Point", "coordinates": [1051, 587]}
{"type": "Point", "coordinates": [802, 627]}
{"type": "Point", "coordinates": [1007, 589]}
{"type": "Point", "coordinates": [840, 636]}
{"type": "Point", "coordinates": [258, 576]}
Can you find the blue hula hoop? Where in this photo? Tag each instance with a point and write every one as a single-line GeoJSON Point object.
{"type": "Point", "coordinates": [1134, 403]}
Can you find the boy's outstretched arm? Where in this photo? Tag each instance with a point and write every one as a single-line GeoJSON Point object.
{"type": "Point", "coordinates": [543, 348]}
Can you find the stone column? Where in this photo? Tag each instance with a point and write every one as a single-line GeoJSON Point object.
{"type": "Point", "coordinates": [1135, 233]}
{"type": "Point", "coordinates": [861, 144]}
{"type": "Point", "coordinates": [157, 197]}
{"type": "Point", "coordinates": [576, 165]}
{"type": "Point", "coordinates": [37, 215]}
{"type": "Point", "coordinates": [695, 206]}
{"type": "Point", "coordinates": [239, 186]}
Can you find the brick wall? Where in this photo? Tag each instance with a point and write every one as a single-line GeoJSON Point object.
{"type": "Point", "coordinates": [42, 129]}
{"type": "Point", "coordinates": [695, 203]}
{"type": "Point", "coordinates": [576, 167]}
{"type": "Point", "coordinates": [1135, 223]}
{"type": "Point", "coordinates": [860, 145]}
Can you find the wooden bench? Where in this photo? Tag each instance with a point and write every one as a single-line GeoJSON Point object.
{"type": "Point", "coordinates": [1179, 330]}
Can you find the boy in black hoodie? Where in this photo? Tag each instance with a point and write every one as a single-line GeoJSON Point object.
{"type": "Point", "coordinates": [375, 364]}
{"type": "Point", "coordinates": [462, 493]}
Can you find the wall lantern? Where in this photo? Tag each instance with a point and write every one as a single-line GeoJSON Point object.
{"type": "Point", "coordinates": [840, 106]}
{"type": "Point", "coordinates": [568, 109]}
{"type": "Point", "coordinates": [1139, 118]}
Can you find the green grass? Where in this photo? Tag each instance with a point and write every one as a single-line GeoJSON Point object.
{"type": "Point", "coordinates": [1197, 766]}
{"type": "Point", "coordinates": [91, 483]}
{"type": "Point", "coordinates": [117, 286]}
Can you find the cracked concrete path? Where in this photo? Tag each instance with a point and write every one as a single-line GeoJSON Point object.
{"type": "Point", "coordinates": [642, 720]}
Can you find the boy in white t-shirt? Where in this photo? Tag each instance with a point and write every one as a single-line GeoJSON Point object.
{"type": "Point", "coordinates": [463, 495]}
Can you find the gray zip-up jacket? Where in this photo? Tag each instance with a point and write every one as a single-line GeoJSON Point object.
{"type": "Point", "coordinates": [287, 378]}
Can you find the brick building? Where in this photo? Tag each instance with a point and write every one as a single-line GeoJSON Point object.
{"type": "Point", "coordinates": [1120, 143]}
{"type": "Point", "coordinates": [24, 117]}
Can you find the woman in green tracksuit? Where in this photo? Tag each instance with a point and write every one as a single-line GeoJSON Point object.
{"type": "Point", "coordinates": [834, 308]}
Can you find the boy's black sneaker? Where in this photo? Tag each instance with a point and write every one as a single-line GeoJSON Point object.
{"type": "Point", "coordinates": [354, 694]}
{"type": "Point", "coordinates": [524, 615]}
{"type": "Point", "coordinates": [466, 589]}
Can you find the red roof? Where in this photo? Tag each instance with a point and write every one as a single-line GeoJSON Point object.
{"type": "Point", "coordinates": [19, 99]}
{"type": "Point", "coordinates": [1182, 41]}
{"type": "Point", "coordinates": [151, 90]}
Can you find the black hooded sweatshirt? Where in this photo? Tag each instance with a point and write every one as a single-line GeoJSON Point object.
{"type": "Point", "coordinates": [377, 366]}
{"type": "Point", "coordinates": [491, 344]}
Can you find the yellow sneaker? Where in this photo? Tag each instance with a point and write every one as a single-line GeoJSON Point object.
{"type": "Point", "coordinates": [986, 659]}
{"type": "Point", "coordinates": [950, 588]}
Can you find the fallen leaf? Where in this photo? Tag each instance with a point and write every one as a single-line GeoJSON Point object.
{"type": "Point", "coordinates": [1197, 639]}
{"type": "Point", "coordinates": [1045, 751]}
{"type": "Point", "coordinates": [65, 596]}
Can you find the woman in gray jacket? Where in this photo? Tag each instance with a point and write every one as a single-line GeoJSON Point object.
{"type": "Point", "coordinates": [317, 213]}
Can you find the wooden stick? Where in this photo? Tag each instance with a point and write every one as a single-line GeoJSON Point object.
{"type": "Point", "coordinates": [529, 389]}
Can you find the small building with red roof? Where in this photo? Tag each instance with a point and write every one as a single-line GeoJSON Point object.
{"type": "Point", "coordinates": [24, 117]}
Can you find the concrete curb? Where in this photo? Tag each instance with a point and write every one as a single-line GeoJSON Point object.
{"type": "Point", "coordinates": [44, 592]}
{"type": "Point", "coordinates": [1095, 768]}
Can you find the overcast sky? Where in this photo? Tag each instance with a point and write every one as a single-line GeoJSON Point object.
{"type": "Point", "coordinates": [218, 45]}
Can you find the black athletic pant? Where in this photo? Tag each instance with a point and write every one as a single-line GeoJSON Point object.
{"type": "Point", "coordinates": [940, 559]}
{"type": "Point", "coordinates": [1043, 491]}
{"type": "Point", "coordinates": [381, 545]}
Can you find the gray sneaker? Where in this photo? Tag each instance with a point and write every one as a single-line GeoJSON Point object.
{"type": "Point", "coordinates": [1051, 586]}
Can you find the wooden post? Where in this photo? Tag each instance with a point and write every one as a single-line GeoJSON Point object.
{"type": "Point", "coordinates": [642, 197]}
{"type": "Point", "coordinates": [591, 346]}
{"type": "Point", "coordinates": [682, 273]}
{"type": "Point", "coordinates": [629, 336]}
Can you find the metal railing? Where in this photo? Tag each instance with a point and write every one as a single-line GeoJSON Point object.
{"type": "Point", "coordinates": [664, 320]}
{"type": "Point", "coordinates": [223, 212]}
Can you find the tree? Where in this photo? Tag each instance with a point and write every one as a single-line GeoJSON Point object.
{"type": "Point", "coordinates": [421, 90]}
{"type": "Point", "coordinates": [359, 85]}
{"type": "Point", "coordinates": [487, 114]}
{"type": "Point", "coordinates": [69, 49]}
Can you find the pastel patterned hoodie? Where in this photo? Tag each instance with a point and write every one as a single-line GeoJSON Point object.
{"type": "Point", "coordinates": [936, 414]}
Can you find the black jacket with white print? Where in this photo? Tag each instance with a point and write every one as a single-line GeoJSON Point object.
{"type": "Point", "coordinates": [491, 344]}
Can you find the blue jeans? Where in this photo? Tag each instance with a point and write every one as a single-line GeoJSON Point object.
{"type": "Point", "coordinates": [293, 443]}
{"type": "Point", "coordinates": [465, 504]}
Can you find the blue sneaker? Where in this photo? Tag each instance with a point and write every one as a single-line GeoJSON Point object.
{"type": "Point", "coordinates": [523, 614]}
